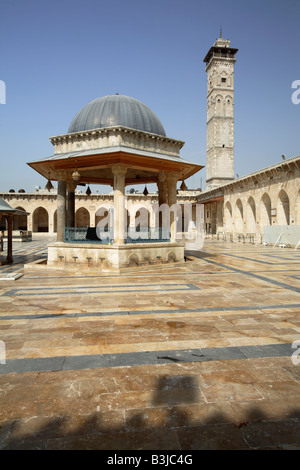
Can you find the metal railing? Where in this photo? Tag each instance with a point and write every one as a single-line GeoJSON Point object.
{"type": "Point", "coordinates": [86, 235]}
{"type": "Point", "coordinates": [132, 235]}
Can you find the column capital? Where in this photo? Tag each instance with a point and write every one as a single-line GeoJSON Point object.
{"type": "Point", "coordinates": [161, 176]}
{"type": "Point", "coordinates": [118, 170]}
{"type": "Point", "coordinates": [172, 177]}
{"type": "Point", "coordinates": [71, 185]}
{"type": "Point", "coordinates": [61, 175]}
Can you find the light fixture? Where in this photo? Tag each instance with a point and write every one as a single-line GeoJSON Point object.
{"type": "Point", "coordinates": [88, 191]}
{"type": "Point", "coordinates": [49, 185]}
{"type": "Point", "coordinates": [145, 192]}
{"type": "Point", "coordinates": [76, 175]}
{"type": "Point", "coordinates": [183, 186]}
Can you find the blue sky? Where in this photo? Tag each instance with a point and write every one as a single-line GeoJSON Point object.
{"type": "Point", "coordinates": [56, 56]}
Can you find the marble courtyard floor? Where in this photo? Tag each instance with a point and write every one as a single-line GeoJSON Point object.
{"type": "Point", "coordinates": [179, 357]}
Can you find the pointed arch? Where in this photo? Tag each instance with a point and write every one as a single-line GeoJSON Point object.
{"type": "Point", "coordinates": [104, 218]}
{"type": "Point", "coordinates": [40, 220]}
{"type": "Point", "coordinates": [20, 221]}
{"type": "Point", "coordinates": [219, 103]}
{"type": "Point", "coordinates": [228, 216]}
{"type": "Point", "coordinates": [138, 221]}
{"type": "Point", "coordinates": [222, 79]}
{"type": "Point", "coordinates": [265, 210]}
{"type": "Point", "coordinates": [228, 101]}
{"type": "Point", "coordinates": [82, 217]}
{"type": "Point", "coordinates": [142, 218]}
{"type": "Point", "coordinates": [251, 215]}
{"type": "Point", "coordinates": [283, 208]}
{"type": "Point", "coordinates": [239, 216]}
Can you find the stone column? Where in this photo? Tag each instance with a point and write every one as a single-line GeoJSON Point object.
{"type": "Point", "coordinates": [9, 258]}
{"type": "Point", "coordinates": [92, 212]}
{"type": "Point", "coordinates": [214, 218]}
{"type": "Point", "coordinates": [29, 223]}
{"type": "Point", "coordinates": [51, 222]}
{"type": "Point", "coordinates": [120, 219]}
{"type": "Point", "coordinates": [162, 189]}
{"type": "Point", "coordinates": [162, 198]}
{"type": "Point", "coordinates": [61, 209]}
{"type": "Point", "coordinates": [71, 186]}
{"type": "Point", "coordinates": [172, 179]}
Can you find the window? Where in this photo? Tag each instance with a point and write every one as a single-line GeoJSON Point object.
{"type": "Point", "coordinates": [223, 80]}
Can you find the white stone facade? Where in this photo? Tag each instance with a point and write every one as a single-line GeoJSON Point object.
{"type": "Point", "coordinates": [220, 114]}
{"type": "Point", "coordinates": [270, 197]}
{"type": "Point", "coordinates": [42, 208]}
{"type": "Point", "coordinates": [247, 207]}
{"type": "Point", "coordinates": [220, 62]}
{"type": "Point", "coordinates": [113, 257]}
{"type": "Point", "coordinates": [114, 137]}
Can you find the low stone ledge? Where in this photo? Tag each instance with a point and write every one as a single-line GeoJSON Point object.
{"type": "Point", "coordinates": [110, 257]}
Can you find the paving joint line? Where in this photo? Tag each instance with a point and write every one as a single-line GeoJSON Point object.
{"type": "Point", "coordinates": [262, 278]}
{"type": "Point", "coordinates": [71, 290]}
{"type": "Point", "coordinates": [103, 361]}
{"type": "Point", "coordinates": [147, 312]}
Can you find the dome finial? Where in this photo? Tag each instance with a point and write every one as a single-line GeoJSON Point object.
{"type": "Point", "coordinates": [117, 93]}
{"type": "Point", "coordinates": [221, 31]}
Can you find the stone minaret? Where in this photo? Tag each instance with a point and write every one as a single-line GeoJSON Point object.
{"type": "Point", "coordinates": [220, 61]}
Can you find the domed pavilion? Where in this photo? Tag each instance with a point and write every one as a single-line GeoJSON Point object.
{"type": "Point", "coordinates": [114, 140]}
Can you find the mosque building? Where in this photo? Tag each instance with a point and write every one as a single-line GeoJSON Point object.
{"type": "Point", "coordinates": [118, 141]}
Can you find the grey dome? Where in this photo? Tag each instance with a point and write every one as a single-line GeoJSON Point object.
{"type": "Point", "coordinates": [116, 110]}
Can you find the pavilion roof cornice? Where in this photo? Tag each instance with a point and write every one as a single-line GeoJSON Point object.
{"type": "Point", "coordinates": [138, 162]}
{"type": "Point", "coordinates": [110, 130]}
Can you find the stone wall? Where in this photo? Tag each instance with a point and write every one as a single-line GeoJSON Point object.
{"type": "Point", "coordinates": [265, 198]}
{"type": "Point", "coordinates": [62, 255]}
{"type": "Point", "coordinates": [116, 136]}
{"type": "Point", "coordinates": [220, 117]}
{"type": "Point", "coordinates": [42, 208]}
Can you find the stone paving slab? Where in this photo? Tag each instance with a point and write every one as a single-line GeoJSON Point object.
{"type": "Point", "coordinates": [102, 361]}
{"type": "Point", "coordinates": [187, 358]}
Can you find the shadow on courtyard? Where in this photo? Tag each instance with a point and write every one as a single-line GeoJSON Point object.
{"type": "Point", "coordinates": [175, 421]}
{"type": "Point", "coordinates": [24, 253]}
{"type": "Point", "coordinates": [200, 254]}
